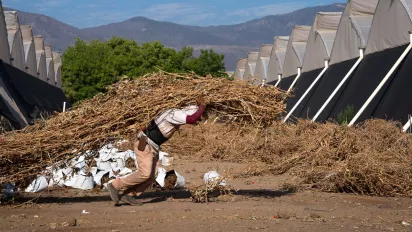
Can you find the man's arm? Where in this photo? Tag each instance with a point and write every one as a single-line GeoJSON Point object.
{"type": "Point", "coordinates": [179, 117]}
{"type": "Point", "coordinates": [194, 118]}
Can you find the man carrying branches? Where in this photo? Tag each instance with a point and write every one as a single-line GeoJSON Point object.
{"type": "Point", "coordinates": [147, 149]}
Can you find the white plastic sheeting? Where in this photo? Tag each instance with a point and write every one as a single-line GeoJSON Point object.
{"type": "Point", "coordinates": [262, 63]}
{"type": "Point", "coordinates": [320, 41]}
{"type": "Point", "coordinates": [362, 7]}
{"type": "Point", "coordinates": [15, 39]}
{"type": "Point", "coordinates": [57, 69]}
{"type": "Point", "coordinates": [161, 176]}
{"type": "Point", "coordinates": [29, 50]}
{"type": "Point", "coordinates": [40, 58]}
{"type": "Point", "coordinates": [212, 178]}
{"type": "Point", "coordinates": [240, 68]}
{"type": "Point", "coordinates": [51, 74]}
{"type": "Point", "coordinates": [250, 65]}
{"type": "Point", "coordinates": [353, 31]}
{"type": "Point", "coordinates": [296, 50]}
{"type": "Point", "coordinates": [38, 185]}
{"type": "Point", "coordinates": [4, 44]}
{"type": "Point", "coordinates": [391, 25]}
{"type": "Point", "coordinates": [277, 58]}
{"type": "Point", "coordinates": [109, 161]}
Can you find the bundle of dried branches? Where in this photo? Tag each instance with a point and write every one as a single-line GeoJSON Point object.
{"type": "Point", "coordinates": [128, 106]}
{"type": "Point", "coordinates": [372, 159]}
{"type": "Point", "coordinates": [211, 191]}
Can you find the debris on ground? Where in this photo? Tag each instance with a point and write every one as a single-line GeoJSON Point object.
{"type": "Point", "coordinates": [372, 158]}
{"type": "Point", "coordinates": [170, 180]}
{"type": "Point", "coordinates": [85, 172]}
{"type": "Point", "coordinates": [212, 177]}
{"type": "Point", "coordinates": [288, 187]}
{"type": "Point", "coordinates": [214, 189]}
{"type": "Point", "coordinates": [405, 223]}
{"type": "Point", "coordinates": [128, 106]}
{"type": "Point", "coordinates": [85, 212]}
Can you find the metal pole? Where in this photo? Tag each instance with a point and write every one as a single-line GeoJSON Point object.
{"type": "Point", "coordinates": [296, 79]}
{"type": "Point", "coordinates": [64, 107]}
{"type": "Point", "coordinates": [340, 85]}
{"type": "Point", "coordinates": [408, 124]}
{"type": "Point", "coordinates": [385, 79]}
{"type": "Point", "coordinates": [410, 120]}
{"type": "Point", "coordinates": [279, 78]}
{"type": "Point", "coordinates": [308, 90]}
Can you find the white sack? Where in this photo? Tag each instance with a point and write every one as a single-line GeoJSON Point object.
{"type": "Point", "coordinates": [38, 185]}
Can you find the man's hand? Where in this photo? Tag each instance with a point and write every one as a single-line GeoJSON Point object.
{"type": "Point", "coordinates": [201, 101]}
{"type": "Point", "coordinates": [194, 118]}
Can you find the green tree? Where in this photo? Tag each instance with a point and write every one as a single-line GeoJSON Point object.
{"type": "Point", "coordinates": [88, 68]}
{"type": "Point", "coordinates": [84, 70]}
{"type": "Point", "coordinates": [209, 62]}
{"type": "Point", "coordinates": [122, 58]}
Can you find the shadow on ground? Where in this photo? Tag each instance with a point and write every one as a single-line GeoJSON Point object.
{"type": "Point", "coordinates": [147, 197]}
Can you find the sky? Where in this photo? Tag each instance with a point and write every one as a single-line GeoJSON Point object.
{"type": "Point", "coordinates": [90, 13]}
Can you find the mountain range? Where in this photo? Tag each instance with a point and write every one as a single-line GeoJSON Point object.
{"type": "Point", "coordinates": [232, 40]}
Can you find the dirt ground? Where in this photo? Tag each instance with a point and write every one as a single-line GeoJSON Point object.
{"type": "Point", "coordinates": [259, 205]}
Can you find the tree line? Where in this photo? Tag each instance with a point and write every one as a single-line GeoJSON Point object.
{"type": "Point", "coordinates": [89, 67]}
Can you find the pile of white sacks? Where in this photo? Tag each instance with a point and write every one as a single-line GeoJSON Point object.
{"type": "Point", "coordinates": [110, 160]}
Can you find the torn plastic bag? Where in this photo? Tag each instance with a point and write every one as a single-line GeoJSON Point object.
{"type": "Point", "coordinates": [58, 178]}
{"type": "Point", "coordinates": [165, 159]}
{"type": "Point", "coordinates": [130, 154]}
{"type": "Point", "coordinates": [212, 176]}
{"type": "Point", "coordinates": [107, 152]}
{"type": "Point", "coordinates": [93, 170]}
{"type": "Point", "coordinates": [70, 180]}
{"type": "Point", "coordinates": [162, 176]}
{"type": "Point", "coordinates": [125, 171]}
{"type": "Point", "coordinates": [83, 182]}
{"type": "Point", "coordinates": [97, 178]}
{"type": "Point", "coordinates": [79, 163]}
{"type": "Point", "coordinates": [180, 183]}
{"type": "Point", "coordinates": [38, 185]}
{"type": "Point", "coordinates": [104, 165]}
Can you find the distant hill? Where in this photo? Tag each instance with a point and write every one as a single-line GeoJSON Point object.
{"type": "Point", "coordinates": [232, 40]}
{"type": "Point", "coordinates": [262, 30]}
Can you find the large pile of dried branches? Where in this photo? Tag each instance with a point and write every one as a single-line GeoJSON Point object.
{"type": "Point", "coordinates": [373, 159]}
{"type": "Point", "coordinates": [128, 106]}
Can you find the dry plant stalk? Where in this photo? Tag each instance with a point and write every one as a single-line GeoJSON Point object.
{"type": "Point", "coordinates": [210, 192]}
{"type": "Point", "coordinates": [371, 159]}
{"type": "Point", "coordinates": [128, 106]}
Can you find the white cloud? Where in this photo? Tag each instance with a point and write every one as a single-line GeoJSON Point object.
{"type": "Point", "coordinates": [6, 2]}
{"type": "Point", "coordinates": [179, 12]}
{"type": "Point", "coordinates": [11, 3]}
{"type": "Point", "coordinates": [183, 13]}
{"type": "Point", "coordinates": [271, 9]}
{"type": "Point", "coordinates": [96, 18]}
{"type": "Point", "coordinates": [91, 6]}
{"type": "Point", "coordinates": [198, 18]}
{"type": "Point", "coordinates": [45, 5]}
{"type": "Point", "coordinates": [170, 10]}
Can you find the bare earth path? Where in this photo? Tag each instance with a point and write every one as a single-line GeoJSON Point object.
{"type": "Point", "coordinates": [259, 206]}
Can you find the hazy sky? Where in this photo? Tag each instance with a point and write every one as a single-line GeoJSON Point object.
{"type": "Point", "coordinates": [87, 13]}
